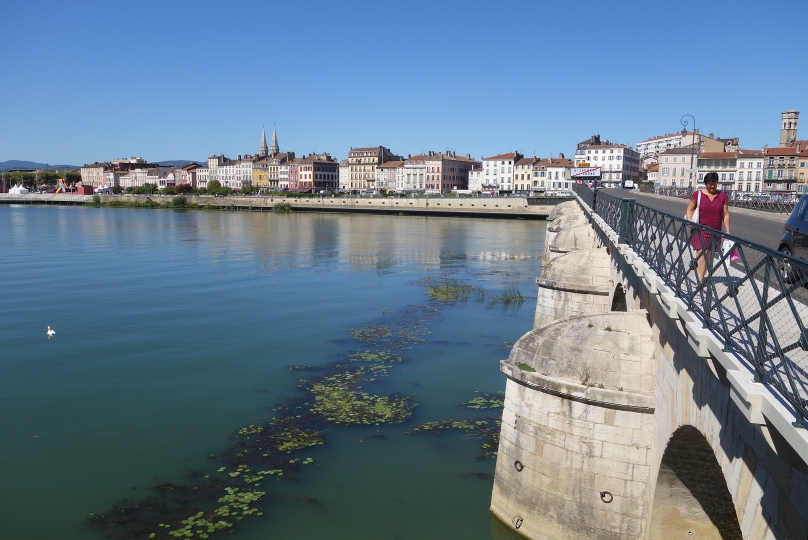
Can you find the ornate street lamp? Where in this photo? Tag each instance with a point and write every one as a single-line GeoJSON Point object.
{"type": "Point", "coordinates": [684, 134]}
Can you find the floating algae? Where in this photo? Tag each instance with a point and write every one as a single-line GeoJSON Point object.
{"type": "Point", "coordinates": [216, 500]}
{"type": "Point", "coordinates": [338, 398]}
{"type": "Point", "coordinates": [487, 401]}
{"type": "Point", "coordinates": [486, 429]}
{"type": "Point", "coordinates": [453, 290]}
{"type": "Point", "coordinates": [375, 356]}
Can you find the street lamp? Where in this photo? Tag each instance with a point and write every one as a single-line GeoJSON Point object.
{"type": "Point", "coordinates": [684, 134]}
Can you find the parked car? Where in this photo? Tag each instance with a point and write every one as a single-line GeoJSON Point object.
{"type": "Point", "coordinates": [795, 239]}
{"type": "Point", "coordinates": [629, 184]}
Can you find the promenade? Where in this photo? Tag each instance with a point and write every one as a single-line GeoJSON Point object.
{"type": "Point", "coordinates": [490, 207]}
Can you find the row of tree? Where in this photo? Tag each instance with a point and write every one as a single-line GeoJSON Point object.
{"type": "Point", "coordinates": [34, 180]}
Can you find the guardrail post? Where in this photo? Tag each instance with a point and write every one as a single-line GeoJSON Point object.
{"type": "Point", "coordinates": [626, 205]}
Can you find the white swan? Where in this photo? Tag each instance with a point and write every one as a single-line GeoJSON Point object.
{"type": "Point", "coordinates": [51, 333]}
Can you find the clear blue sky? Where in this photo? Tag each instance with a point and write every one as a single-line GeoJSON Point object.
{"type": "Point", "coordinates": [97, 80]}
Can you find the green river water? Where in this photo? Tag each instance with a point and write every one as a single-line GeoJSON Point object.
{"type": "Point", "coordinates": [175, 329]}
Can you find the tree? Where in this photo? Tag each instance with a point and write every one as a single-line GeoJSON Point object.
{"type": "Point", "coordinates": [169, 190]}
{"type": "Point", "coordinates": [247, 189]}
{"type": "Point", "coordinates": [213, 185]}
{"type": "Point", "coordinates": [183, 188]}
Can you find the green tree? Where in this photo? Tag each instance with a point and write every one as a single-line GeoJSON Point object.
{"type": "Point", "coordinates": [183, 188]}
{"type": "Point", "coordinates": [247, 189]}
{"type": "Point", "coordinates": [213, 185]}
{"type": "Point", "coordinates": [169, 190]}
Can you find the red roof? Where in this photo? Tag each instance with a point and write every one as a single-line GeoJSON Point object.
{"type": "Point", "coordinates": [720, 155]}
{"type": "Point", "coordinates": [510, 155]}
{"type": "Point", "coordinates": [788, 151]}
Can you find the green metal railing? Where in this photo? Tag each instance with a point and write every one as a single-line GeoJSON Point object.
{"type": "Point", "coordinates": [754, 298]}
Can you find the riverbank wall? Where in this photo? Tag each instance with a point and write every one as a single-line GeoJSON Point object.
{"type": "Point", "coordinates": [491, 207]}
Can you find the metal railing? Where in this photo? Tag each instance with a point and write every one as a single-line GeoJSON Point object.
{"type": "Point", "coordinates": [754, 298]}
{"type": "Point", "coordinates": [766, 205]}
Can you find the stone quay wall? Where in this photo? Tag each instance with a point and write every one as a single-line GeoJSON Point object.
{"type": "Point", "coordinates": [495, 207]}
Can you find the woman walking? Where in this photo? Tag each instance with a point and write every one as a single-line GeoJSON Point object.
{"type": "Point", "coordinates": [713, 208]}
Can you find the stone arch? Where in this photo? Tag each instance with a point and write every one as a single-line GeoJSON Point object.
{"type": "Point", "coordinates": [691, 497]}
{"type": "Point", "coordinates": [619, 299]}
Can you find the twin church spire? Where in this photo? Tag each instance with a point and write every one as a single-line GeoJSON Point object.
{"type": "Point", "coordinates": [272, 150]}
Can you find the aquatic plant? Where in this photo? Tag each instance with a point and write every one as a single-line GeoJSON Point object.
{"type": "Point", "coordinates": [217, 500]}
{"type": "Point", "coordinates": [375, 356]}
{"type": "Point", "coordinates": [454, 290]}
{"type": "Point", "coordinates": [338, 398]}
{"type": "Point", "coordinates": [282, 208]}
{"type": "Point", "coordinates": [180, 201]}
{"type": "Point", "coordinates": [371, 334]}
{"type": "Point", "coordinates": [487, 401]}
{"type": "Point", "coordinates": [510, 295]}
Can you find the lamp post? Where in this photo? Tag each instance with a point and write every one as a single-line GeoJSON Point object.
{"type": "Point", "coordinates": [684, 134]}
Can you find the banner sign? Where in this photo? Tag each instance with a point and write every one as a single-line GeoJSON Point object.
{"type": "Point", "coordinates": [585, 172]}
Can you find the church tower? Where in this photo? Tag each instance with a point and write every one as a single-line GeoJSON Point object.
{"type": "Point", "coordinates": [274, 149]}
{"type": "Point", "coordinates": [788, 134]}
{"type": "Point", "coordinates": [262, 150]}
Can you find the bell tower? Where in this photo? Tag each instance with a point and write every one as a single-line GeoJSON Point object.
{"type": "Point", "coordinates": [262, 150]}
{"type": "Point", "coordinates": [788, 133]}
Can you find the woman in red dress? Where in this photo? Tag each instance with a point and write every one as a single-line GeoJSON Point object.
{"type": "Point", "coordinates": [713, 211]}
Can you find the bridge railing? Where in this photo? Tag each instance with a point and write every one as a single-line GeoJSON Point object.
{"type": "Point", "coordinates": [740, 199]}
{"type": "Point", "coordinates": [754, 298]}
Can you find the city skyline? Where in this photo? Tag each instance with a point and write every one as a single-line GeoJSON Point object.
{"type": "Point", "coordinates": [93, 82]}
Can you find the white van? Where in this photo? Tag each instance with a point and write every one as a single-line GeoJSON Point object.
{"type": "Point", "coordinates": [628, 184]}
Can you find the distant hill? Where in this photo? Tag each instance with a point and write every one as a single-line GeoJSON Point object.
{"type": "Point", "coordinates": [179, 162]}
{"type": "Point", "coordinates": [18, 164]}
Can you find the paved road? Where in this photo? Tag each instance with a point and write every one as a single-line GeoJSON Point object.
{"type": "Point", "coordinates": [763, 228]}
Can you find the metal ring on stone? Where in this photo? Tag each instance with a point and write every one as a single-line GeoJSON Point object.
{"type": "Point", "coordinates": [518, 465]}
{"type": "Point", "coordinates": [604, 495]}
{"type": "Point", "coordinates": [517, 522]}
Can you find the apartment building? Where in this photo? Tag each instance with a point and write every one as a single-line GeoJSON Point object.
{"type": "Point", "coordinates": [498, 171]}
{"type": "Point", "coordinates": [446, 171]}
{"type": "Point", "coordinates": [618, 162]}
{"type": "Point", "coordinates": [780, 166]}
{"type": "Point", "coordinates": [362, 164]}
{"type": "Point", "coordinates": [750, 170]}
{"type": "Point", "coordinates": [344, 175]}
{"type": "Point", "coordinates": [675, 167]}
{"type": "Point", "coordinates": [314, 173]}
{"type": "Point", "coordinates": [412, 176]}
{"type": "Point", "coordinates": [387, 175]}
{"type": "Point", "coordinates": [724, 164]}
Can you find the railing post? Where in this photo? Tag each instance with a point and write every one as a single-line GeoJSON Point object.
{"type": "Point", "coordinates": [625, 208]}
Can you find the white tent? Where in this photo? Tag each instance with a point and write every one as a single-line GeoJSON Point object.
{"type": "Point", "coordinates": [18, 190]}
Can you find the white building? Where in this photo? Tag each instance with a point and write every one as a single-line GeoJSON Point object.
{"type": "Point", "coordinates": [283, 175]}
{"type": "Point", "coordinates": [411, 178]}
{"type": "Point", "coordinates": [344, 175]}
{"type": "Point", "coordinates": [202, 176]}
{"type": "Point", "coordinates": [498, 171]}
{"type": "Point", "coordinates": [655, 145]}
{"type": "Point", "coordinates": [750, 170]}
{"type": "Point", "coordinates": [617, 162]}
{"type": "Point", "coordinates": [141, 177]}
{"type": "Point", "coordinates": [476, 179]}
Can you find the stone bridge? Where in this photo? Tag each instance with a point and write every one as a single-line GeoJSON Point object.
{"type": "Point", "coordinates": [625, 418]}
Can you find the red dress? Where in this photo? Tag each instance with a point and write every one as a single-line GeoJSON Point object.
{"type": "Point", "coordinates": [711, 214]}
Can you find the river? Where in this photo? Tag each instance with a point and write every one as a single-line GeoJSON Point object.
{"type": "Point", "coordinates": [176, 329]}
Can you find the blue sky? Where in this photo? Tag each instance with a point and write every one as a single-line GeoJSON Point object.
{"type": "Point", "coordinates": [91, 80]}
